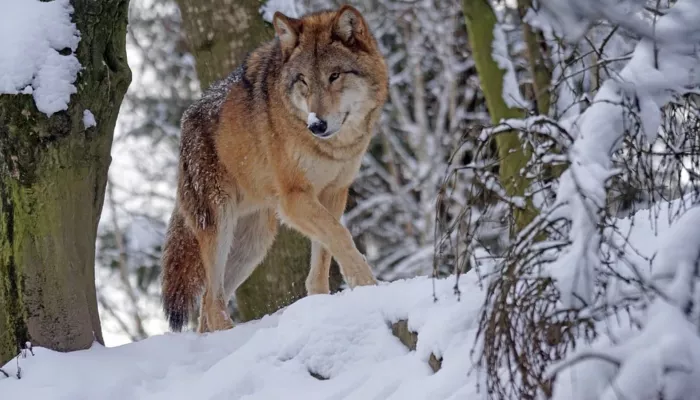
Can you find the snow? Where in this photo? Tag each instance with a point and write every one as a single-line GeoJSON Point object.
{"type": "Point", "coordinates": [652, 76]}
{"type": "Point", "coordinates": [652, 351]}
{"type": "Point", "coordinates": [289, 8]}
{"type": "Point", "coordinates": [345, 337]}
{"type": "Point", "coordinates": [89, 119]}
{"type": "Point", "coordinates": [511, 90]}
{"type": "Point", "coordinates": [311, 119]}
{"type": "Point", "coordinates": [575, 17]}
{"type": "Point", "coordinates": [664, 357]}
{"type": "Point", "coordinates": [32, 33]}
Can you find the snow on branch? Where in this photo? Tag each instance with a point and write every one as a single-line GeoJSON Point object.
{"type": "Point", "coordinates": [623, 119]}
{"type": "Point", "coordinates": [38, 41]}
{"type": "Point", "coordinates": [574, 18]}
{"type": "Point", "coordinates": [663, 359]}
{"type": "Point", "coordinates": [511, 91]}
{"type": "Point", "coordinates": [652, 77]}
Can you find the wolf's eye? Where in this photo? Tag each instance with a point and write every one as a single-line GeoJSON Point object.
{"type": "Point", "coordinates": [333, 77]}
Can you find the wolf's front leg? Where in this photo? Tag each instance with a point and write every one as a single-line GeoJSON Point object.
{"type": "Point", "coordinates": [215, 244]}
{"type": "Point", "coordinates": [317, 282]}
{"type": "Point", "coordinates": [303, 210]}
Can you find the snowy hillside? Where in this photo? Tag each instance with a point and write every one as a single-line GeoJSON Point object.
{"type": "Point", "coordinates": [322, 347]}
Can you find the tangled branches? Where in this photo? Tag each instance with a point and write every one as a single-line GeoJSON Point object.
{"type": "Point", "coordinates": [526, 325]}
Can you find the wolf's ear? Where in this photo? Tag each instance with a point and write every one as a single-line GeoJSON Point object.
{"type": "Point", "coordinates": [350, 27]}
{"type": "Point", "coordinates": [287, 30]}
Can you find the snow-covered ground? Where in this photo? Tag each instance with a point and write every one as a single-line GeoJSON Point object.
{"type": "Point", "coordinates": [321, 347]}
{"type": "Point", "coordinates": [345, 338]}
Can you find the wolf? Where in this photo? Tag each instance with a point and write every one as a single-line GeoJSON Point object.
{"type": "Point", "coordinates": [281, 138]}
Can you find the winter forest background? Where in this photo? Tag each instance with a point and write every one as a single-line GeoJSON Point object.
{"type": "Point", "coordinates": [548, 148]}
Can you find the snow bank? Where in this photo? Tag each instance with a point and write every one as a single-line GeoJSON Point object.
{"type": "Point", "coordinates": [656, 72]}
{"type": "Point", "coordinates": [37, 52]}
{"type": "Point", "coordinates": [663, 358]}
{"type": "Point", "coordinates": [344, 340]}
{"type": "Point", "coordinates": [342, 346]}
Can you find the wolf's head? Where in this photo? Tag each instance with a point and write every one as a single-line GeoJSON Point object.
{"type": "Point", "coordinates": [333, 72]}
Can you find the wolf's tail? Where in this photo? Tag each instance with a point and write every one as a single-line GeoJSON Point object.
{"type": "Point", "coordinates": [183, 273]}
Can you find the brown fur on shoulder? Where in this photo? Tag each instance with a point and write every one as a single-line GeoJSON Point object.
{"type": "Point", "coordinates": [282, 135]}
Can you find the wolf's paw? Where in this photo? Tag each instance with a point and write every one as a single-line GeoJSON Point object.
{"type": "Point", "coordinates": [215, 321]}
{"type": "Point", "coordinates": [360, 277]}
{"type": "Point", "coordinates": [362, 280]}
{"type": "Point", "coordinates": [317, 287]}
{"type": "Point", "coordinates": [357, 272]}
{"type": "Point", "coordinates": [221, 324]}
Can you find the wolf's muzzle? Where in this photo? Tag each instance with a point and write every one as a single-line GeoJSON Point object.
{"type": "Point", "coordinates": [319, 128]}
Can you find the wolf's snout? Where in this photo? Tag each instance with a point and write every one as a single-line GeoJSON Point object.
{"type": "Point", "coordinates": [318, 127]}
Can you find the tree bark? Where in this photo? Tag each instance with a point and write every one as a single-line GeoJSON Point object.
{"type": "Point", "coordinates": [221, 34]}
{"type": "Point", "coordinates": [53, 173]}
{"type": "Point", "coordinates": [481, 20]}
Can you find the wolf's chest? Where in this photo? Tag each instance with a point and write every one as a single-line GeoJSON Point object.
{"type": "Point", "coordinates": [322, 173]}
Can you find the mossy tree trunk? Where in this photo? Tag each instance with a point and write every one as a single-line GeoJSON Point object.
{"type": "Point", "coordinates": [221, 33]}
{"type": "Point", "coordinates": [53, 174]}
{"type": "Point", "coordinates": [480, 21]}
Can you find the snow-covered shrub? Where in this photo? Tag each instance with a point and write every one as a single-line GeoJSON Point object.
{"type": "Point", "coordinates": [624, 119]}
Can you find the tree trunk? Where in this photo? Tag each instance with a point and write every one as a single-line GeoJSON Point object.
{"type": "Point", "coordinates": [480, 21]}
{"type": "Point", "coordinates": [220, 35]}
{"type": "Point", "coordinates": [53, 173]}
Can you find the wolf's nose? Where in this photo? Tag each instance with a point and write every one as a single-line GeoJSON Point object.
{"type": "Point", "coordinates": [318, 127]}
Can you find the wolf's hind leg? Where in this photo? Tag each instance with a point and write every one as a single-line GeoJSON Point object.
{"type": "Point", "coordinates": [252, 239]}
{"type": "Point", "coordinates": [215, 244]}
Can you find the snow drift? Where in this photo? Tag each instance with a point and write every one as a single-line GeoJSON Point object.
{"type": "Point", "coordinates": [322, 347]}
{"type": "Point", "coordinates": [330, 347]}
